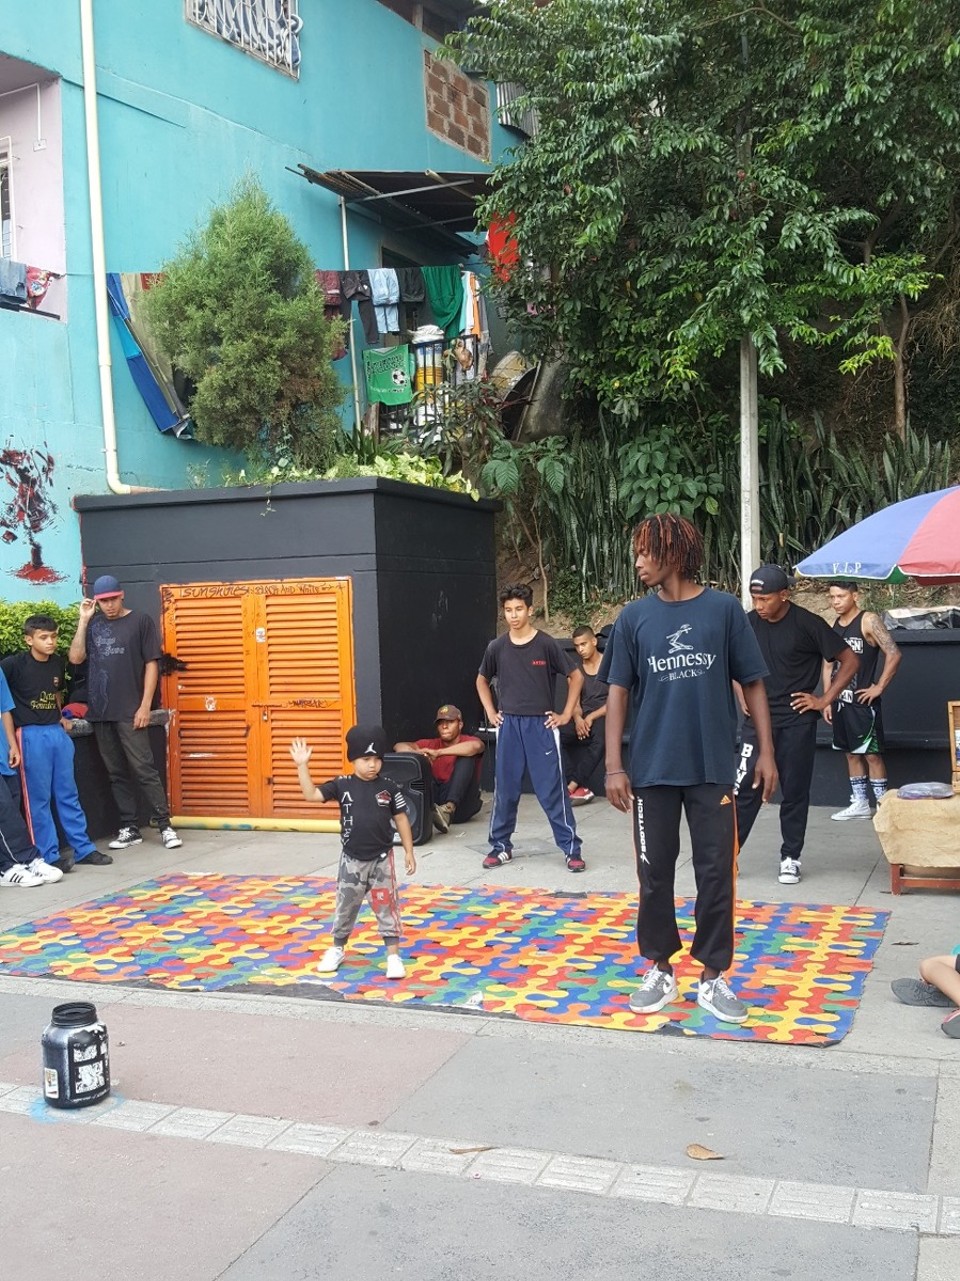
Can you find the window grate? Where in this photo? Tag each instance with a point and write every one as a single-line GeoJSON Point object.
{"type": "Point", "coordinates": [266, 29]}
{"type": "Point", "coordinates": [6, 199]}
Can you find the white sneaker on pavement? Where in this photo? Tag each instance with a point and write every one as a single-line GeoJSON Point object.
{"type": "Point", "coordinates": [395, 968]}
{"type": "Point", "coordinates": [19, 877]}
{"type": "Point", "coordinates": [331, 960]}
{"type": "Point", "coordinates": [789, 871]}
{"type": "Point", "coordinates": [46, 871]}
{"type": "Point", "coordinates": [856, 809]}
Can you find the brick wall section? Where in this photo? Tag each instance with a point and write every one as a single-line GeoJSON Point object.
{"type": "Point", "coordinates": [458, 108]}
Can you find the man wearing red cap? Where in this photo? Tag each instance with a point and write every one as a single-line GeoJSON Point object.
{"type": "Point", "coordinates": [455, 764]}
{"type": "Point", "coordinates": [123, 647]}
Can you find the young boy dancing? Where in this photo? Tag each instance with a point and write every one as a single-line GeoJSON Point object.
{"type": "Point", "coordinates": [525, 663]}
{"type": "Point", "coordinates": [36, 678]}
{"type": "Point", "coordinates": [367, 804]}
{"type": "Point", "coordinates": [675, 653]}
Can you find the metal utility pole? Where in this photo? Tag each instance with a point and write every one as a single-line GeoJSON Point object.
{"type": "Point", "coordinates": [749, 468]}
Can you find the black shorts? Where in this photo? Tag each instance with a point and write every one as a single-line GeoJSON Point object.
{"type": "Point", "coordinates": [857, 729]}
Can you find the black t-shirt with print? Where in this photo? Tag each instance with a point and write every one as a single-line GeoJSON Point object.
{"type": "Point", "coordinates": [35, 687]}
{"type": "Point", "coordinates": [526, 673]}
{"type": "Point", "coordinates": [793, 649]}
{"type": "Point", "coordinates": [118, 649]}
{"type": "Point", "coordinates": [366, 806]}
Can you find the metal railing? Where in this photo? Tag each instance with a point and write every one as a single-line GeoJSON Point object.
{"type": "Point", "coordinates": [266, 29]}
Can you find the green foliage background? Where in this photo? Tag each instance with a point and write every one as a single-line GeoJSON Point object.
{"type": "Point", "coordinates": [14, 613]}
{"type": "Point", "coordinates": [239, 310]}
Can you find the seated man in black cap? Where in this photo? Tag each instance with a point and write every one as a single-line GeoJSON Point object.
{"type": "Point", "coordinates": [795, 644]}
{"type": "Point", "coordinates": [455, 764]}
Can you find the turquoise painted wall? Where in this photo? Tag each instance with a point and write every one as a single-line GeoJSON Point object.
{"type": "Point", "coordinates": [183, 117]}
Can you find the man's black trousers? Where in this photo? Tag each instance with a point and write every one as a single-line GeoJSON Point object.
{"type": "Point", "coordinates": [794, 747]}
{"type": "Point", "coordinates": [711, 818]}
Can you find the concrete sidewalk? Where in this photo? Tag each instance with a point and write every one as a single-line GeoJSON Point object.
{"type": "Point", "coordinates": [264, 1137]}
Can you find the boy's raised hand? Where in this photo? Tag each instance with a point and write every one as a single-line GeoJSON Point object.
{"type": "Point", "coordinates": [300, 752]}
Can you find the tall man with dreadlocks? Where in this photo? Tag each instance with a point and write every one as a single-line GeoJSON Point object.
{"type": "Point", "coordinates": [673, 656]}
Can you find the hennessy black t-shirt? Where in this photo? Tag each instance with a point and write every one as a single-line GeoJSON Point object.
{"type": "Point", "coordinates": [793, 649]}
{"type": "Point", "coordinates": [366, 806]}
{"type": "Point", "coordinates": [35, 687]}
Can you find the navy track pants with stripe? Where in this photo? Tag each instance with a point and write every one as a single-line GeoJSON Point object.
{"type": "Point", "coordinates": [525, 743]}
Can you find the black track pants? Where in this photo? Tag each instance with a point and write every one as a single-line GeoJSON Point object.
{"type": "Point", "coordinates": [794, 748]}
{"type": "Point", "coordinates": [711, 817]}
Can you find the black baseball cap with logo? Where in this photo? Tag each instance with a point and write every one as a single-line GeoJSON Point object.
{"type": "Point", "coordinates": [768, 580]}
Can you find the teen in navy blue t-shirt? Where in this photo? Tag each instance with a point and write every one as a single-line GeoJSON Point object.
{"type": "Point", "coordinates": [673, 656]}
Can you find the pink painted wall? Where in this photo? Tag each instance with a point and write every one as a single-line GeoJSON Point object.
{"type": "Point", "coordinates": [37, 177]}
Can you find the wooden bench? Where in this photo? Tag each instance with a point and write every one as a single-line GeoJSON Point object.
{"type": "Point", "coordinates": [921, 842]}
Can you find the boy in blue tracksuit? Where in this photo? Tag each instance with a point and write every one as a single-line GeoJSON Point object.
{"type": "Point", "coordinates": [36, 678]}
{"type": "Point", "coordinates": [525, 663]}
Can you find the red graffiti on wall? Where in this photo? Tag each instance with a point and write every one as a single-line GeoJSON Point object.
{"type": "Point", "coordinates": [30, 509]}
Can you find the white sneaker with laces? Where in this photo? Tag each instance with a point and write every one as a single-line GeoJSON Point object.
{"type": "Point", "coordinates": [789, 871]}
{"type": "Point", "coordinates": [395, 968]}
{"type": "Point", "coordinates": [171, 841]}
{"type": "Point", "coordinates": [46, 871]}
{"type": "Point", "coordinates": [19, 877]}
{"type": "Point", "coordinates": [331, 960]}
{"type": "Point", "coordinates": [657, 989]}
{"type": "Point", "coordinates": [856, 809]}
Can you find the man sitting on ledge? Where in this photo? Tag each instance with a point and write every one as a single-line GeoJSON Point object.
{"type": "Point", "coordinates": [456, 776]}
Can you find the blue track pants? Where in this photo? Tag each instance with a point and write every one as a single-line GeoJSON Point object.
{"type": "Point", "coordinates": [48, 772]}
{"type": "Point", "coordinates": [525, 743]}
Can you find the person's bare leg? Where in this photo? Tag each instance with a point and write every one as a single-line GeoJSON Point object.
{"type": "Point", "coordinates": [941, 972]}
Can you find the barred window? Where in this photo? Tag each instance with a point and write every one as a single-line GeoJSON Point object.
{"type": "Point", "coordinates": [266, 29]}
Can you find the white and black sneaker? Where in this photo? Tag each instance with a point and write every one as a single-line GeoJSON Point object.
{"type": "Point", "coordinates": [46, 871]}
{"type": "Point", "coordinates": [126, 837]}
{"type": "Point", "coordinates": [171, 841]}
{"type": "Point", "coordinates": [789, 871]}
{"type": "Point", "coordinates": [20, 877]}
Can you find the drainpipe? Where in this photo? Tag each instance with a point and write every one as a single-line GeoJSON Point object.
{"type": "Point", "coordinates": [101, 305]}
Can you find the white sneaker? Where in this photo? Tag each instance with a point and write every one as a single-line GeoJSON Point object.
{"type": "Point", "coordinates": [657, 989]}
{"type": "Point", "coordinates": [395, 968]}
{"type": "Point", "coordinates": [20, 876]}
{"type": "Point", "coordinates": [856, 809]}
{"type": "Point", "coordinates": [789, 871]}
{"type": "Point", "coordinates": [171, 841]}
{"type": "Point", "coordinates": [331, 960]}
{"type": "Point", "coordinates": [46, 871]}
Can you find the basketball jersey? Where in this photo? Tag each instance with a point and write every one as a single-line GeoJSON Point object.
{"type": "Point", "coordinates": [868, 657]}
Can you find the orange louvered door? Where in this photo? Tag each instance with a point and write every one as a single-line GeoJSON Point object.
{"type": "Point", "coordinates": [259, 664]}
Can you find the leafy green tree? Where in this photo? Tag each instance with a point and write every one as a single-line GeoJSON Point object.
{"type": "Point", "coordinates": [705, 170]}
{"type": "Point", "coordinates": [239, 310]}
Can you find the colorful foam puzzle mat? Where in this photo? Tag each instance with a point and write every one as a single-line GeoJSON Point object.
{"type": "Point", "coordinates": [543, 956]}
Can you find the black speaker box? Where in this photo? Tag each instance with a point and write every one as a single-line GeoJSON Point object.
{"type": "Point", "coordinates": [414, 777]}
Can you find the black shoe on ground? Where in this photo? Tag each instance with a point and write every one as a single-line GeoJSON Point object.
{"type": "Point", "coordinates": [126, 837]}
{"type": "Point", "coordinates": [96, 859]}
{"type": "Point", "coordinates": [65, 863]}
{"type": "Point", "coordinates": [576, 864]}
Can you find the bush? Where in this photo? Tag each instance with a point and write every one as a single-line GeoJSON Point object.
{"type": "Point", "coordinates": [14, 613]}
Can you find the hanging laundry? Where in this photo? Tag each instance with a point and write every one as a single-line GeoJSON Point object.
{"type": "Point", "coordinates": [146, 380]}
{"type": "Point", "coordinates": [355, 285]}
{"type": "Point", "coordinates": [411, 284]}
{"type": "Point", "coordinates": [385, 288]}
{"type": "Point", "coordinates": [388, 373]}
{"type": "Point", "coordinates": [38, 282]}
{"type": "Point", "coordinates": [13, 282]}
{"type": "Point", "coordinates": [445, 295]}
{"type": "Point", "coordinates": [329, 282]}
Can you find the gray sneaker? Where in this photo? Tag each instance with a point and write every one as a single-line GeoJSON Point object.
{"type": "Point", "coordinates": [656, 990]}
{"type": "Point", "coordinates": [717, 997]}
{"type": "Point", "coordinates": [916, 992]}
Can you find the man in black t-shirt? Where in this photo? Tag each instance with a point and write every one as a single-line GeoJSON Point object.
{"type": "Point", "coordinates": [583, 739]}
{"type": "Point", "coordinates": [794, 644]}
{"type": "Point", "coordinates": [123, 648]}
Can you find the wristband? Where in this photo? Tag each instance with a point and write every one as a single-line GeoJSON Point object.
{"type": "Point", "coordinates": [610, 772]}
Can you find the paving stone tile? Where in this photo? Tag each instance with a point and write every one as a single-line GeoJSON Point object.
{"type": "Point", "coordinates": [250, 1131]}
{"type": "Point", "coordinates": [439, 1156]}
{"type": "Point", "coordinates": [826, 1202]}
{"type": "Point", "coordinates": [190, 1123]}
{"type": "Point", "coordinates": [373, 1147]}
{"type": "Point", "coordinates": [133, 1114]}
{"type": "Point", "coordinates": [949, 1216]}
{"type": "Point", "coordinates": [731, 1192]}
{"type": "Point", "coordinates": [654, 1183]}
{"type": "Point", "coordinates": [312, 1140]}
{"type": "Point", "coordinates": [509, 1165]}
{"type": "Point", "coordinates": [906, 1211]}
{"type": "Point", "coordinates": [22, 1099]}
{"type": "Point", "coordinates": [580, 1174]}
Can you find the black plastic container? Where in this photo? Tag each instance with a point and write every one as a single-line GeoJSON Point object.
{"type": "Point", "coordinates": [76, 1057]}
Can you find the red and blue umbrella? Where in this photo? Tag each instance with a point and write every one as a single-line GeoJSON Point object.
{"type": "Point", "coordinates": [918, 538]}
